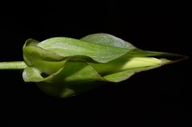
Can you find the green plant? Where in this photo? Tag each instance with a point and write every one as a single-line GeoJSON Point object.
{"type": "Point", "coordinates": [65, 67]}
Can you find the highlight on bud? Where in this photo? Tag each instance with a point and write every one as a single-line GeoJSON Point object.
{"type": "Point", "coordinates": [64, 67]}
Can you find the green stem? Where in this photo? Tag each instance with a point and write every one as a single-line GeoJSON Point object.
{"type": "Point", "coordinates": [16, 65]}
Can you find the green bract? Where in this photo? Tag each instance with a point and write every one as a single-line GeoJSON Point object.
{"type": "Point", "coordinates": [65, 67]}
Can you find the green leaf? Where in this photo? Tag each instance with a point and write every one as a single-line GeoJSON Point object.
{"type": "Point", "coordinates": [32, 53]}
{"type": "Point", "coordinates": [68, 47]}
{"type": "Point", "coordinates": [135, 65]}
{"type": "Point", "coordinates": [31, 74]}
{"type": "Point", "coordinates": [108, 40]}
{"type": "Point", "coordinates": [74, 78]}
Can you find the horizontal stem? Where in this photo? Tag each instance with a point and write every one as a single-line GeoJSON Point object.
{"type": "Point", "coordinates": [16, 65]}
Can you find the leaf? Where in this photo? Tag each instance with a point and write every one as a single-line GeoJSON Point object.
{"type": "Point", "coordinates": [108, 40]}
{"type": "Point", "coordinates": [134, 67]}
{"type": "Point", "coordinates": [116, 65]}
{"type": "Point", "coordinates": [68, 47]}
{"type": "Point", "coordinates": [31, 74]}
{"type": "Point", "coordinates": [74, 78]}
{"type": "Point", "coordinates": [31, 53]}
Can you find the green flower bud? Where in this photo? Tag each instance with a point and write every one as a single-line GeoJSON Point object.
{"type": "Point", "coordinates": [64, 67]}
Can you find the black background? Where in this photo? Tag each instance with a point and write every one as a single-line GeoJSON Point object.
{"type": "Point", "coordinates": [159, 97]}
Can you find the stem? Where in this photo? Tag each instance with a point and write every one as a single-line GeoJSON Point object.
{"type": "Point", "coordinates": [16, 65]}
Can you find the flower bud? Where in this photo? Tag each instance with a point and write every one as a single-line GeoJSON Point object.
{"type": "Point", "coordinates": [64, 67]}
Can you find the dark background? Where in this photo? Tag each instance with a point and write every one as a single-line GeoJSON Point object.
{"type": "Point", "coordinates": [159, 97]}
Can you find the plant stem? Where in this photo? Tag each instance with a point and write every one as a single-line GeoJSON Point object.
{"type": "Point", "coordinates": [16, 65]}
